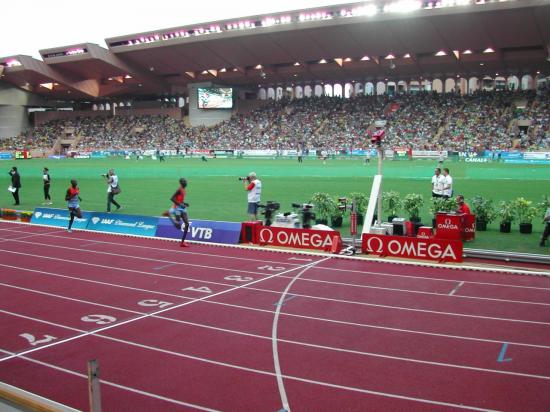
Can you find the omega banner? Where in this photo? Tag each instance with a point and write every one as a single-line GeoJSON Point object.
{"type": "Point", "coordinates": [413, 248]}
{"type": "Point", "coordinates": [297, 238]}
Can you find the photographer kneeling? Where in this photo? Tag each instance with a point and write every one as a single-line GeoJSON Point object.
{"type": "Point", "coordinates": [254, 188]}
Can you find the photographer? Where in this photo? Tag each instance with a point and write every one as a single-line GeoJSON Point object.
{"type": "Point", "coordinates": [112, 189]}
{"type": "Point", "coordinates": [254, 188]}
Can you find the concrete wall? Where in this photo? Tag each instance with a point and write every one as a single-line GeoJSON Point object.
{"type": "Point", "coordinates": [13, 111]}
{"type": "Point", "coordinates": [13, 121]}
{"type": "Point", "coordinates": [205, 117]}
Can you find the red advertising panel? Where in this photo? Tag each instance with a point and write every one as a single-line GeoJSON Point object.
{"type": "Point", "coordinates": [414, 248]}
{"type": "Point", "coordinates": [449, 226]}
{"type": "Point", "coordinates": [469, 229]}
{"type": "Point", "coordinates": [297, 238]}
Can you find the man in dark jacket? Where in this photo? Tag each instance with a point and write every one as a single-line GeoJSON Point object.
{"type": "Point", "coordinates": [15, 184]}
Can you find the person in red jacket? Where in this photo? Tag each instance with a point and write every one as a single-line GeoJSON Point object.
{"type": "Point", "coordinates": [178, 211]}
{"type": "Point", "coordinates": [73, 197]}
{"type": "Point", "coordinates": [462, 206]}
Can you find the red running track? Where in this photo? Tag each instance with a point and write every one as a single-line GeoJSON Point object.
{"type": "Point", "coordinates": [221, 328]}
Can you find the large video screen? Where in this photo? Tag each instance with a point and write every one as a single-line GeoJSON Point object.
{"type": "Point", "coordinates": [215, 97]}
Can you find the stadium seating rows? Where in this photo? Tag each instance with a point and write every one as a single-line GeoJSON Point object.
{"type": "Point", "coordinates": [430, 121]}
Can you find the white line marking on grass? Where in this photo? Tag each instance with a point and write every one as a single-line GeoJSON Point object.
{"type": "Point", "coordinates": [452, 292]}
{"type": "Point", "coordinates": [248, 308]}
{"type": "Point", "coordinates": [280, 383]}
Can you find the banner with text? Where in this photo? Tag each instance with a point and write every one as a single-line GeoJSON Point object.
{"type": "Point", "coordinates": [202, 231]}
{"type": "Point", "coordinates": [413, 247]}
{"type": "Point", "coordinates": [58, 217]}
{"type": "Point", "coordinates": [297, 238]}
{"type": "Point", "coordinates": [125, 224]}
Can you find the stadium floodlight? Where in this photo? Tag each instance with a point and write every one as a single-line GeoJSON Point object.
{"type": "Point", "coordinates": [467, 51]}
{"type": "Point", "coordinates": [369, 10]}
{"type": "Point", "coordinates": [365, 58]}
{"type": "Point", "coordinates": [389, 57]}
{"type": "Point", "coordinates": [488, 50]}
{"type": "Point", "coordinates": [322, 61]}
{"type": "Point", "coordinates": [441, 53]}
{"type": "Point", "coordinates": [407, 56]}
{"type": "Point", "coordinates": [127, 76]}
{"type": "Point", "coordinates": [403, 6]}
{"type": "Point", "coordinates": [13, 63]}
{"type": "Point", "coordinates": [258, 67]}
{"type": "Point", "coordinates": [296, 64]}
{"type": "Point", "coordinates": [268, 22]}
{"type": "Point", "coordinates": [347, 59]}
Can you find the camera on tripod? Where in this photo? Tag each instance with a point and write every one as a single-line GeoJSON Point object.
{"type": "Point", "coordinates": [306, 211]}
{"type": "Point", "coordinates": [269, 208]}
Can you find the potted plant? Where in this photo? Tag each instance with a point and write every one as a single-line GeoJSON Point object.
{"type": "Point", "coordinates": [440, 204]}
{"type": "Point", "coordinates": [507, 214]}
{"type": "Point", "coordinates": [412, 203]}
{"type": "Point", "coordinates": [525, 212]}
{"type": "Point", "coordinates": [324, 205]}
{"type": "Point", "coordinates": [337, 214]}
{"type": "Point", "coordinates": [25, 216]}
{"type": "Point", "coordinates": [8, 214]}
{"type": "Point", "coordinates": [361, 204]}
{"type": "Point", "coordinates": [391, 204]}
{"type": "Point", "coordinates": [484, 211]}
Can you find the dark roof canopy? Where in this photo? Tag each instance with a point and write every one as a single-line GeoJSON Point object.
{"type": "Point", "coordinates": [340, 43]}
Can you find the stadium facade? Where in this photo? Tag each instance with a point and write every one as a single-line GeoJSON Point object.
{"type": "Point", "coordinates": [373, 47]}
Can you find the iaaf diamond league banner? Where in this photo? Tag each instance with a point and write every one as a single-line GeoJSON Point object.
{"type": "Point", "coordinates": [202, 231]}
{"type": "Point", "coordinates": [58, 217]}
{"type": "Point", "coordinates": [126, 224]}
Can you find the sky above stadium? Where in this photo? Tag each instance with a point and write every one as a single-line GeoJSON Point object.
{"type": "Point", "coordinates": [30, 25]}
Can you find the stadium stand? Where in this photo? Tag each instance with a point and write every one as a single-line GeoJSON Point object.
{"type": "Point", "coordinates": [428, 121]}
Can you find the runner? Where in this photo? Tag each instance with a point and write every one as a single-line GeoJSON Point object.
{"type": "Point", "coordinates": [73, 197]}
{"type": "Point", "coordinates": [178, 211]}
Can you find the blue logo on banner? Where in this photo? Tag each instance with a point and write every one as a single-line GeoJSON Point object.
{"type": "Point", "coordinates": [128, 224]}
{"type": "Point", "coordinates": [5, 155]}
{"type": "Point", "coordinates": [202, 230]}
{"type": "Point", "coordinates": [58, 217]}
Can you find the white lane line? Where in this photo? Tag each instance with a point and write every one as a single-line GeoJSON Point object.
{"type": "Point", "coordinates": [452, 292]}
{"type": "Point", "coordinates": [277, 373]}
{"type": "Point", "coordinates": [364, 259]}
{"type": "Point", "coordinates": [464, 297]}
{"type": "Point", "coordinates": [324, 268]}
{"type": "Point", "coordinates": [173, 252]}
{"type": "Point", "coordinates": [394, 275]}
{"type": "Point", "coordinates": [261, 372]}
{"type": "Point", "coordinates": [276, 363]}
{"type": "Point", "coordinates": [120, 255]}
{"type": "Point", "coordinates": [144, 316]}
{"type": "Point", "coordinates": [115, 385]}
{"type": "Point", "coordinates": [332, 300]}
{"type": "Point", "coordinates": [248, 308]}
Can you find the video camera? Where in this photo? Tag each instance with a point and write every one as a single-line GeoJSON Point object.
{"type": "Point", "coordinates": [244, 179]}
{"type": "Point", "coordinates": [269, 207]}
{"type": "Point", "coordinates": [307, 213]}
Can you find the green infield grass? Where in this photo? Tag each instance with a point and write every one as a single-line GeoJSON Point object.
{"type": "Point", "coordinates": [215, 193]}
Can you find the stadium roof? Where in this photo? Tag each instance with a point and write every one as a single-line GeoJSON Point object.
{"type": "Point", "coordinates": [376, 40]}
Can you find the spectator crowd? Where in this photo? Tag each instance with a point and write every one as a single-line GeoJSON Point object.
{"type": "Point", "coordinates": [425, 121]}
